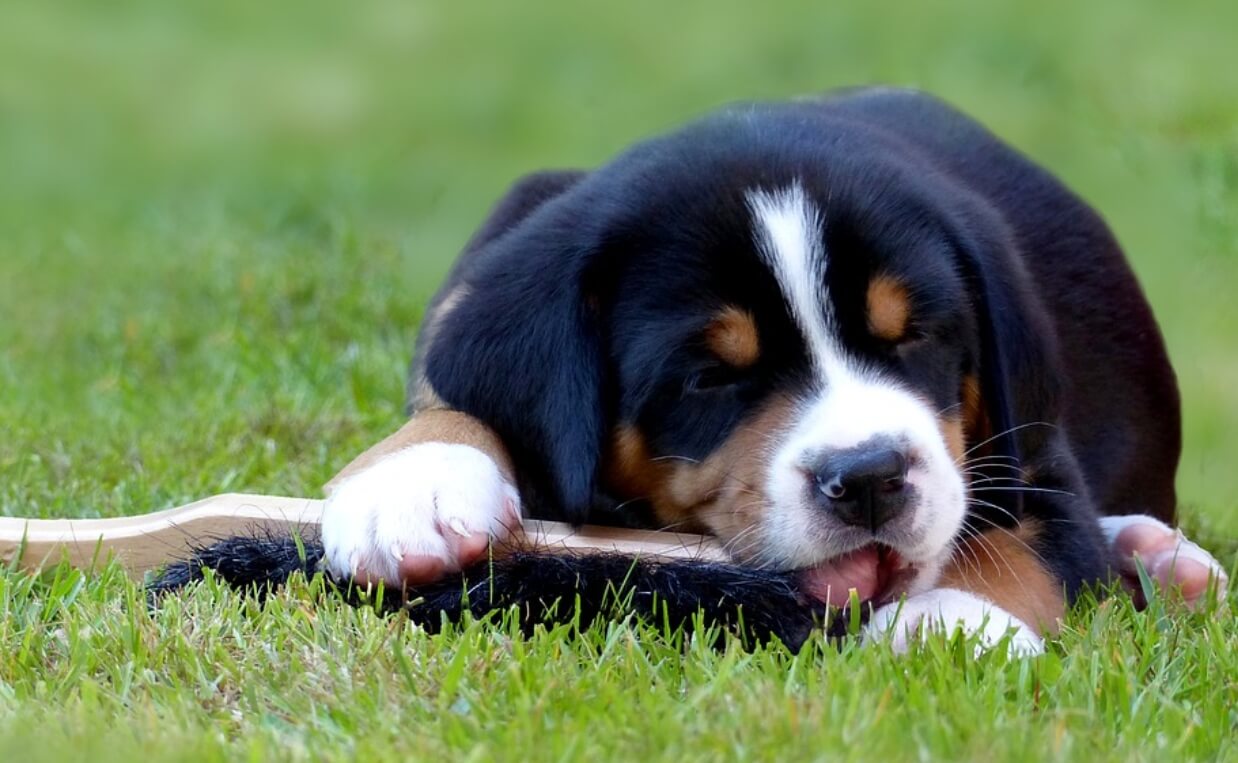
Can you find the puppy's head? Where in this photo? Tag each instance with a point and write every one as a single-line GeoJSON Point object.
{"type": "Point", "coordinates": [787, 346]}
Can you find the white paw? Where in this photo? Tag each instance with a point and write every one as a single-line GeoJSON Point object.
{"type": "Point", "coordinates": [1169, 558]}
{"type": "Point", "coordinates": [942, 610]}
{"type": "Point", "coordinates": [416, 514]}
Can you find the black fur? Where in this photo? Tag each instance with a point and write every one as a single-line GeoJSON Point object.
{"type": "Point", "coordinates": [580, 299]}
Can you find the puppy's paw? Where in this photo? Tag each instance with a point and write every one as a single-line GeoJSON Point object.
{"type": "Point", "coordinates": [417, 514]}
{"type": "Point", "coordinates": [1170, 559]}
{"type": "Point", "coordinates": [942, 610]}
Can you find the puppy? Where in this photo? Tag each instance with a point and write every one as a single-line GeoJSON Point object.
{"type": "Point", "coordinates": [855, 336]}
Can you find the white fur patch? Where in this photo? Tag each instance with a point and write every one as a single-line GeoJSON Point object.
{"type": "Point", "coordinates": [406, 503]}
{"type": "Point", "coordinates": [851, 404]}
{"type": "Point", "coordinates": [788, 232]}
{"type": "Point", "coordinates": [943, 610]}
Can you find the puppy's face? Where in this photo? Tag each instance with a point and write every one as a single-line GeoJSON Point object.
{"type": "Point", "coordinates": [794, 373]}
{"type": "Point", "coordinates": [770, 328]}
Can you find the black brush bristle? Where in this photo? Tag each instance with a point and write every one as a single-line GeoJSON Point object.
{"type": "Point", "coordinates": [545, 588]}
{"type": "Point", "coordinates": [243, 561]}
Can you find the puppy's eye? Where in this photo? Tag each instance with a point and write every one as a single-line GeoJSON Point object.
{"type": "Point", "coordinates": [911, 342]}
{"type": "Point", "coordinates": [915, 337]}
{"type": "Point", "coordinates": [711, 378]}
{"type": "Point", "coordinates": [910, 339]}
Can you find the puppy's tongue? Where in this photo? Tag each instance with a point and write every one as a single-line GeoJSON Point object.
{"type": "Point", "coordinates": [832, 581]}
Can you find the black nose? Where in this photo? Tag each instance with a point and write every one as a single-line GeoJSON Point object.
{"type": "Point", "coordinates": [864, 486]}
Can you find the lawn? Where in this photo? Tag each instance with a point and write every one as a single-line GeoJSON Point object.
{"type": "Point", "coordinates": [219, 224]}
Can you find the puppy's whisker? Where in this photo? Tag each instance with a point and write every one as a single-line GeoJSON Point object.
{"type": "Point", "coordinates": [985, 547]}
{"type": "Point", "coordinates": [979, 479]}
{"type": "Point", "coordinates": [687, 459]}
{"type": "Point", "coordinates": [624, 504]}
{"type": "Point", "coordinates": [1009, 431]}
{"type": "Point", "coordinates": [977, 466]}
{"type": "Point", "coordinates": [732, 547]}
{"type": "Point", "coordinates": [980, 502]}
{"type": "Point", "coordinates": [985, 470]}
{"type": "Point", "coordinates": [1005, 560]}
{"type": "Point", "coordinates": [1023, 489]}
{"type": "Point", "coordinates": [1016, 539]}
{"type": "Point", "coordinates": [672, 526]}
{"type": "Point", "coordinates": [991, 457]}
{"type": "Point", "coordinates": [984, 460]}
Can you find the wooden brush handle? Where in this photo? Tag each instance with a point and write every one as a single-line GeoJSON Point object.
{"type": "Point", "coordinates": [149, 541]}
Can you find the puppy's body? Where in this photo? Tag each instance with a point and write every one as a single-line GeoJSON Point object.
{"type": "Point", "coordinates": [857, 336]}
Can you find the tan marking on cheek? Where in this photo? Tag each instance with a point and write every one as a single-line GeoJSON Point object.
{"type": "Point", "coordinates": [969, 394]}
{"type": "Point", "coordinates": [725, 494]}
{"type": "Point", "coordinates": [952, 432]}
{"type": "Point", "coordinates": [976, 426]}
{"type": "Point", "coordinates": [889, 308]}
{"type": "Point", "coordinates": [953, 424]}
{"type": "Point", "coordinates": [1004, 567]}
{"type": "Point", "coordinates": [630, 470]}
{"type": "Point", "coordinates": [732, 336]}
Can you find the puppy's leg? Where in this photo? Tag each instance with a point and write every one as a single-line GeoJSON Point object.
{"type": "Point", "coordinates": [420, 504]}
{"type": "Point", "coordinates": [996, 583]}
{"type": "Point", "coordinates": [1170, 559]}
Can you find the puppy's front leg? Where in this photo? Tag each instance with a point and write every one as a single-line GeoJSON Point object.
{"type": "Point", "coordinates": [422, 503]}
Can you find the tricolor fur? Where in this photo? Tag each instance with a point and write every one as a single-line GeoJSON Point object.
{"type": "Point", "coordinates": [856, 336]}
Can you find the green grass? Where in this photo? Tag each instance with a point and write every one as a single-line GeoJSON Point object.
{"type": "Point", "coordinates": [219, 223]}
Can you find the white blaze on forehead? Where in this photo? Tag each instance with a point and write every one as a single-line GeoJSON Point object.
{"type": "Point", "coordinates": [788, 228]}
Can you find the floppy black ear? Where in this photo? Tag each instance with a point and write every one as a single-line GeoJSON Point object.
{"type": "Point", "coordinates": [521, 348]}
{"type": "Point", "coordinates": [1018, 363]}
{"type": "Point", "coordinates": [526, 195]}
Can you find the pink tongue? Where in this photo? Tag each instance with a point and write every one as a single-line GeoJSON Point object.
{"type": "Point", "coordinates": [832, 581]}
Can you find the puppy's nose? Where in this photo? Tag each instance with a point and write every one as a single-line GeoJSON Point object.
{"type": "Point", "coordinates": [863, 486]}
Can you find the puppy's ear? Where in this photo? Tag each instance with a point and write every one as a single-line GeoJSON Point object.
{"type": "Point", "coordinates": [1018, 363]}
{"type": "Point", "coordinates": [526, 195]}
{"type": "Point", "coordinates": [521, 347]}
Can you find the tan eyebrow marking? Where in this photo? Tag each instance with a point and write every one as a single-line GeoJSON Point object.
{"type": "Point", "coordinates": [630, 469]}
{"type": "Point", "coordinates": [732, 336]}
{"type": "Point", "coordinates": [889, 308]}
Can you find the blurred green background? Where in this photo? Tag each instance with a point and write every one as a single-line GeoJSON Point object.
{"type": "Point", "coordinates": [219, 221]}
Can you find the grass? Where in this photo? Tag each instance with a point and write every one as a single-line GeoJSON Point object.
{"type": "Point", "coordinates": [214, 675]}
{"type": "Point", "coordinates": [219, 223]}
